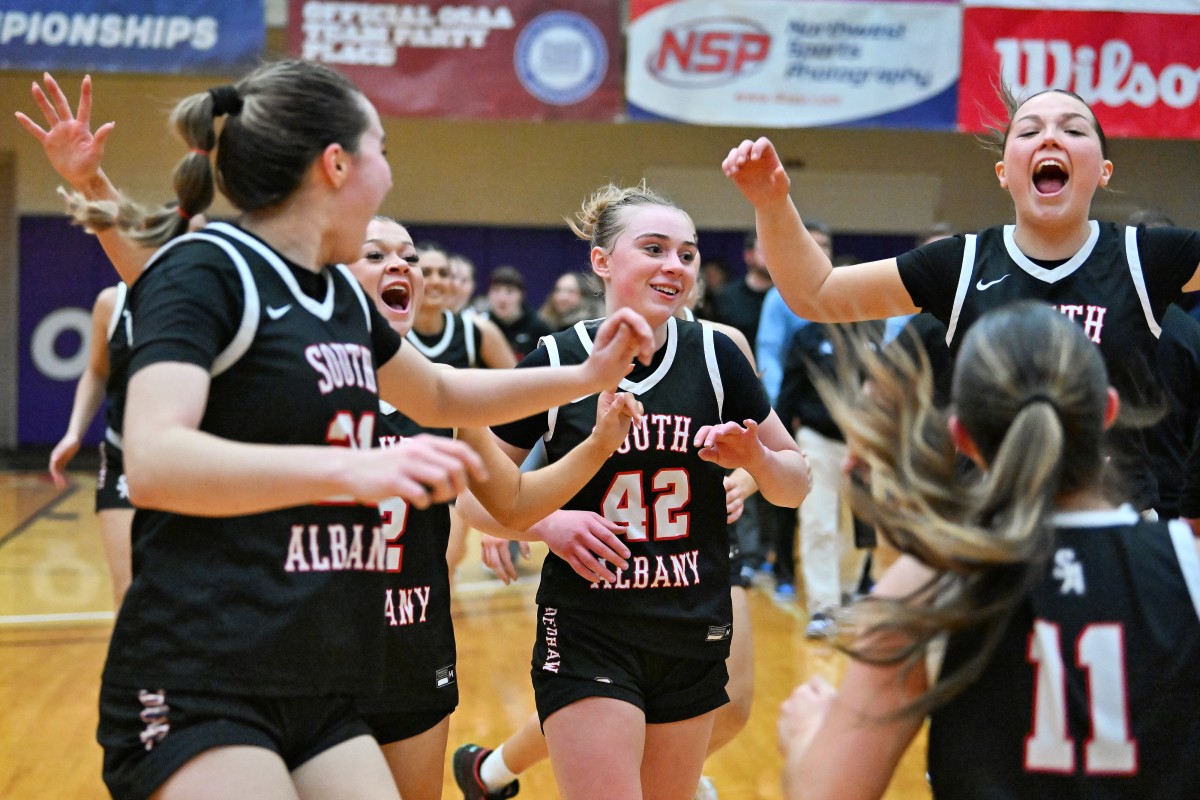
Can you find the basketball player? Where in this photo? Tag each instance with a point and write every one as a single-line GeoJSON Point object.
{"type": "Point", "coordinates": [108, 358]}
{"type": "Point", "coordinates": [456, 339]}
{"type": "Point", "coordinates": [252, 395]}
{"type": "Point", "coordinates": [1074, 623]}
{"type": "Point", "coordinates": [1114, 281]}
{"type": "Point", "coordinates": [630, 658]}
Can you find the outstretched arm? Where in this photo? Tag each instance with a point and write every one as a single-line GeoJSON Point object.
{"type": "Point", "coordinates": [801, 270]}
{"type": "Point", "coordinates": [443, 397]}
{"type": "Point", "coordinates": [89, 392]}
{"type": "Point", "coordinates": [75, 153]}
{"type": "Point", "coordinates": [518, 499]}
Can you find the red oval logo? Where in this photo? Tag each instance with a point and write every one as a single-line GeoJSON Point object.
{"type": "Point", "coordinates": [709, 52]}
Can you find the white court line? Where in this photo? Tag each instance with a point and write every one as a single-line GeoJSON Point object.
{"type": "Point", "coordinates": [34, 619]}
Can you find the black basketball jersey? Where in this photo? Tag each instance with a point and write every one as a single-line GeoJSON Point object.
{"type": "Point", "coordinates": [120, 330]}
{"type": "Point", "coordinates": [457, 345]}
{"type": "Point", "coordinates": [280, 602]}
{"type": "Point", "coordinates": [674, 596]}
{"type": "Point", "coordinates": [1094, 688]}
{"type": "Point", "coordinates": [419, 670]}
{"type": "Point", "coordinates": [1116, 297]}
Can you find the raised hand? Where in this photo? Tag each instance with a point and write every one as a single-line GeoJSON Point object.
{"type": "Point", "coordinates": [422, 470]}
{"type": "Point", "coordinates": [586, 541]}
{"type": "Point", "coordinates": [621, 337]}
{"type": "Point", "coordinates": [497, 555]}
{"type": "Point", "coordinates": [63, 452]}
{"type": "Point", "coordinates": [73, 149]}
{"type": "Point", "coordinates": [755, 168]}
{"type": "Point", "coordinates": [615, 412]}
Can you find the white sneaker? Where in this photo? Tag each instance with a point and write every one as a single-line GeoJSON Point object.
{"type": "Point", "coordinates": [821, 626]}
{"type": "Point", "coordinates": [705, 790]}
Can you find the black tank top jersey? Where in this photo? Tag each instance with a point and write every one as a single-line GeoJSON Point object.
{"type": "Point", "coordinates": [456, 346]}
{"type": "Point", "coordinates": [281, 602]}
{"type": "Point", "coordinates": [1094, 688]}
{"type": "Point", "coordinates": [120, 328]}
{"type": "Point", "coordinates": [1117, 287]}
{"type": "Point", "coordinates": [419, 671]}
{"type": "Point", "coordinates": [674, 597]}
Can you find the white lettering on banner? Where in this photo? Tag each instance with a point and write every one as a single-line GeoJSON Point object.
{"type": "Point", "coordinates": [1111, 77]}
{"type": "Point", "coordinates": [370, 33]}
{"type": "Point", "coordinates": [146, 31]}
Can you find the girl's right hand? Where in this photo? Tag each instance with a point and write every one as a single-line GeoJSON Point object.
{"type": "Point", "coordinates": [755, 168]}
{"type": "Point", "coordinates": [421, 470]}
{"type": "Point", "coordinates": [63, 452]}
{"type": "Point", "coordinates": [73, 150]}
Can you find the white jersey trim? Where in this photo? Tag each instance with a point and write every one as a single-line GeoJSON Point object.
{"type": "Point", "coordinates": [1125, 514]}
{"type": "Point", "coordinates": [970, 241]}
{"type": "Point", "coordinates": [1189, 562]}
{"type": "Point", "coordinates": [244, 336]}
{"type": "Point", "coordinates": [358, 291]}
{"type": "Point", "coordinates": [433, 351]}
{"type": "Point", "coordinates": [1062, 270]}
{"type": "Point", "coordinates": [118, 308]}
{"type": "Point", "coordinates": [1139, 279]}
{"type": "Point", "coordinates": [322, 310]}
{"type": "Point", "coordinates": [468, 321]}
{"type": "Point", "coordinates": [651, 380]}
{"type": "Point", "coordinates": [714, 369]}
{"type": "Point", "coordinates": [555, 360]}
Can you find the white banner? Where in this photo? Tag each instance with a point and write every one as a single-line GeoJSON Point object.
{"type": "Point", "coordinates": [780, 63]}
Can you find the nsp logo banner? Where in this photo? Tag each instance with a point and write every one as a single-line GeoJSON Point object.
{"type": "Point", "coordinates": [783, 63]}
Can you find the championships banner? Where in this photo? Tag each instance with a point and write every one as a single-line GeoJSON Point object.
{"type": "Point", "coordinates": [784, 63]}
{"type": "Point", "coordinates": [165, 36]}
{"type": "Point", "coordinates": [1136, 64]}
{"type": "Point", "coordinates": [491, 59]}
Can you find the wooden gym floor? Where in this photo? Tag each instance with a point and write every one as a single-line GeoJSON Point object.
{"type": "Point", "coordinates": [56, 615]}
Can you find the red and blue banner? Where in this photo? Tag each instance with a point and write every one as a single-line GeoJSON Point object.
{"type": "Point", "coordinates": [518, 59]}
{"type": "Point", "coordinates": [158, 36]}
{"type": "Point", "coordinates": [1136, 64]}
{"type": "Point", "coordinates": [794, 63]}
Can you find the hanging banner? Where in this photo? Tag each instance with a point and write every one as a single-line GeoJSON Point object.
{"type": "Point", "coordinates": [1138, 69]}
{"type": "Point", "coordinates": [518, 59]}
{"type": "Point", "coordinates": [160, 36]}
{"type": "Point", "coordinates": [794, 63]}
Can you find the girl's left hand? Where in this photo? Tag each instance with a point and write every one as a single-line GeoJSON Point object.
{"type": "Point", "coordinates": [803, 714]}
{"type": "Point", "coordinates": [729, 444]}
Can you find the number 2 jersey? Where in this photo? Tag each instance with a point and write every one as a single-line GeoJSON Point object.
{"type": "Point", "coordinates": [419, 671]}
{"type": "Point", "coordinates": [1094, 689]}
{"type": "Point", "coordinates": [674, 596]}
{"type": "Point", "coordinates": [283, 602]}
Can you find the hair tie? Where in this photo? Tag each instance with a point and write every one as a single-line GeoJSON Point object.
{"type": "Point", "coordinates": [181, 212]}
{"type": "Point", "coordinates": [198, 151]}
{"type": "Point", "coordinates": [225, 100]}
{"type": "Point", "coordinates": [1039, 397]}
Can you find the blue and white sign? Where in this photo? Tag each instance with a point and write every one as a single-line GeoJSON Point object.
{"type": "Point", "coordinates": [163, 36]}
{"type": "Point", "coordinates": [561, 58]}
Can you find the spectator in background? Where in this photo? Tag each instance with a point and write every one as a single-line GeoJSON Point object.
{"type": "Point", "coordinates": [462, 275]}
{"type": "Point", "coordinates": [740, 304]}
{"type": "Point", "coordinates": [571, 301]}
{"type": "Point", "coordinates": [506, 308]}
{"type": "Point", "coordinates": [714, 275]}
